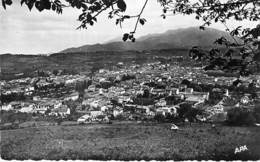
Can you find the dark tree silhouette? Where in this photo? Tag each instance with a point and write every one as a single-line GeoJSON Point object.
{"type": "Point", "coordinates": [186, 82]}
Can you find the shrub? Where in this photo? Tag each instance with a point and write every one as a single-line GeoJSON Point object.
{"type": "Point", "coordinates": [167, 118]}
{"type": "Point", "coordinates": [119, 117]}
{"type": "Point", "coordinates": [159, 118]}
{"type": "Point", "coordinates": [59, 120]}
{"type": "Point", "coordinates": [11, 116]}
{"type": "Point", "coordinates": [257, 117]}
{"type": "Point", "coordinates": [240, 116]}
{"type": "Point", "coordinates": [257, 113]}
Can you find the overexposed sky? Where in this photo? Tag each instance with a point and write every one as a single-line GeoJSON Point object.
{"type": "Point", "coordinates": [25, 32]}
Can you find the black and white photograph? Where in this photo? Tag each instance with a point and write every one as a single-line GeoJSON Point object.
{"type": "Point", "coordinates": [130, 80]}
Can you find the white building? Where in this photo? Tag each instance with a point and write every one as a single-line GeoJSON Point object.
{"type": "Point", "coordinates": [27, 109]}
{"type": "Point", "coordinates": [7, 107]}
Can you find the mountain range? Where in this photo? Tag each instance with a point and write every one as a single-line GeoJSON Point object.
{"type": "Point", "coordinates": [178, 38]}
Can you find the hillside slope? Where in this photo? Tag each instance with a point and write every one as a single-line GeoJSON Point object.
{"type": "Point", "coordinates": [179, 38]}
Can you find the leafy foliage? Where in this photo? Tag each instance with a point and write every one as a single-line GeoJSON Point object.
{"type": "Point", "coordinates": [82, 85]}
{"type": "Point", "coordinates": [244, 40]}
{"type": "Point", "coordinates": [5, 98]}
{"type": "Point", "coordinates": [240, 116]}
{"type": "Point", "coordinates": [10, 116]}
{"type": "Point", "coordinates": [186, 111]}
{"type": "Point", "coordinates": [91, 9]}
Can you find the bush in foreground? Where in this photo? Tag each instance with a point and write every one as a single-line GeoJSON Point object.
{"type": "Point", "coordinates": [240, 116]}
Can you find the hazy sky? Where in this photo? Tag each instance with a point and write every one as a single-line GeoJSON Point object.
{"type": "Point", "coordinates": [25, 32]}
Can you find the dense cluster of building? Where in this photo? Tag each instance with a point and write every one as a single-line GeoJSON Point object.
{"type": "Point", "coordinates": [132, 92]}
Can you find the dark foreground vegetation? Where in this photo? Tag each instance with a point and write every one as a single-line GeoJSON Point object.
{"type": "Point", "coordinates": [131, 141]}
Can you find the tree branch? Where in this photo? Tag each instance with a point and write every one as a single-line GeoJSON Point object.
{"type": "Point", "coordinates": [139, 16]}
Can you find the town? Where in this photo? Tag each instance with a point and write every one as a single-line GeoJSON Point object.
{"type": "Point", "coordinates": [154, 91]}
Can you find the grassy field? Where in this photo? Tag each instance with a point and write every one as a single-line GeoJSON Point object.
{"type": "Point", "coordinates": [130, 142]}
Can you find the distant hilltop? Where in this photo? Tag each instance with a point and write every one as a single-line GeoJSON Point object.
{"type": "Point", "coordinates": [179, 38]}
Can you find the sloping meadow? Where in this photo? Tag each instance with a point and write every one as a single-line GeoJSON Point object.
{"type": "Point", "coordinates": [130, 142]}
